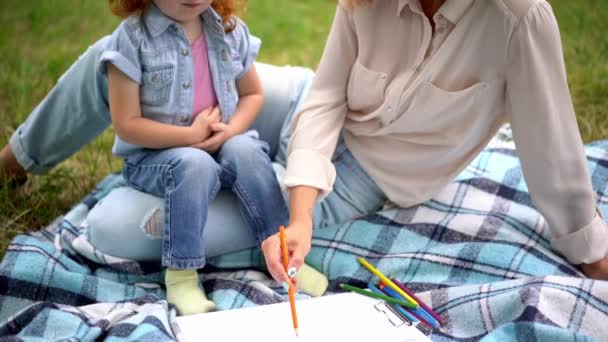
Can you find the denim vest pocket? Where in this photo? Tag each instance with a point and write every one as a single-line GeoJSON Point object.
{"type": "Point", "coordinates": [156, 84]}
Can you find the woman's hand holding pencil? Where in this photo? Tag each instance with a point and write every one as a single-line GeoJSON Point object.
{"type": "Point", "coordinates": [291, 290]}
{"type": "Point", "coordinates": [298, 239]}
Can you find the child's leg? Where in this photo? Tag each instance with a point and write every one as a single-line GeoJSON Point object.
{"type": "Point", "coordinates": [188, 179]}
{"type": "Point", "coordinates": [248, 171]}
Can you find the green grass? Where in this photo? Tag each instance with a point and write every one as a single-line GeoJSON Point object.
{"type": "Point", "coordinates": [40, 39]}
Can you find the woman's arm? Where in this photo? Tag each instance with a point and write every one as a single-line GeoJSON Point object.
{"type": "Point", "coordinates": [548, 140]}
{"type": "Point", "coordinates": [310, 173]}
{"type": "Point", "coordinates": [131, 127]}
{"type": "Point", "coordinates": [318, 124]}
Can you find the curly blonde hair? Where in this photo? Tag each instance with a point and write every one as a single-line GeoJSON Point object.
{"type": "Point", "coordinates": [225, 8]}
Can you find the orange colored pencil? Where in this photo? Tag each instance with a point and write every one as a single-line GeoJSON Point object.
{"type": "Point", "coordinates": [291, 291]}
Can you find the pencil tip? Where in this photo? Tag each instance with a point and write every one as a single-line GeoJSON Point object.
{"type": "Point", "coordinates": [297, 332]}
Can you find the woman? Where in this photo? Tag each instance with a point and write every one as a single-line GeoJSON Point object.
{"type": "Point", "coordinates": [466, 65]}
{"type": "Point", "coordinates": [416, 89]}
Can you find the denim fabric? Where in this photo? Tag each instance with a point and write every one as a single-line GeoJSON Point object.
{"type": "Point", "coordinates": [247, 170]}
{"type": "Point", "coordinates": [354, 194]}
{"type": "Point", "coordinates": [226, 230]}
{"type": "Point", "coordinates": [73, 113]}
{"type": "Point", "coordinates": [76, 111]}
{"type": "Point", "coordinates": [188, 179]}
{"type": "Point", "coordinates": [153, 50]}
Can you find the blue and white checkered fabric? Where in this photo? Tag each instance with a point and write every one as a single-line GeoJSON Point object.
{"type": "Point", "coordinates": [478, 253]}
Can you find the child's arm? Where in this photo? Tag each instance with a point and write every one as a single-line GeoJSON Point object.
{"type": "Point", "coordinates": [251, 98]}
{"type": "Point", "coordinates": [131, 127]}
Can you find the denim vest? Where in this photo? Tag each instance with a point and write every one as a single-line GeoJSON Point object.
{"type": "Point", "coordinates": [153, 50]}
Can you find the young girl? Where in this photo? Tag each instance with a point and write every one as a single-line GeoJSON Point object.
{"type": "Point", "coordinates": [183, 92]}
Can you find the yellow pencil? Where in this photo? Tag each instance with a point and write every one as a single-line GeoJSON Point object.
{"type": "Point", "coordinates": [387, 281]}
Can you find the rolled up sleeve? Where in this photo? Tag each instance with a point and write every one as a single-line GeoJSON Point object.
{"type": "Point", "coordinates": [317, 126]}
{"type": "Point", "coordinates": [248, 46]}
{"type": "Point", "coordinates": [123, 52]}
{"type": "Point", "coordinates": [548, 139]}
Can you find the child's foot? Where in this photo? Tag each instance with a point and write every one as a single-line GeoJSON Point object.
{"type": "Point", "coordinates": [183, 292]}
{"type": "Point", "coordinates": [311, 281]}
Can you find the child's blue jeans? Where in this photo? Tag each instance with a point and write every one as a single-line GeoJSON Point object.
{"type": "Point", "coordinates": [76, 111]}
{"type": "Point", "coordinates": [188, 179]}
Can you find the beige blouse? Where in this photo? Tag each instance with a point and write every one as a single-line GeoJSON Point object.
{"type": "Point", "coordinates": [416, 106]}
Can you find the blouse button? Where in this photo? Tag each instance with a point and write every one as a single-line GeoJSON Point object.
{"type": "Point", "coordinates": [185, 52]}
{"type": "Point", "coordinates": [224, 56]}
{"type": "Point", "coordinates": [155, 78]}
{"type": "Point", "coordinates": [186, 85]}
{"type": "Point", "coordinates": [183, 119]}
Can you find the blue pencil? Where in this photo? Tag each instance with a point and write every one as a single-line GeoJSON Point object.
{"type": "Point", "coordinates": [396, 307]}
{"type": "Point", "coordinates": [420, 311]}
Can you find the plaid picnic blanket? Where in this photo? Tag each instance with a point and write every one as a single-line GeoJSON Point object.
{"type": "Point", "coordinates": [478, 254]}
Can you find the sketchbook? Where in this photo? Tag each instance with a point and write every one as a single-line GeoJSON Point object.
{"type": "Point", "coordinates": [340, 317]}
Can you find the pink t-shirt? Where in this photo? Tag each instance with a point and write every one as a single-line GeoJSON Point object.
{"type": "Point", "coordinates": [204, 93]}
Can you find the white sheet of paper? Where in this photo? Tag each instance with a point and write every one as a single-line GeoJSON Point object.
{"type": "Point", "coordinates": [345, 316]}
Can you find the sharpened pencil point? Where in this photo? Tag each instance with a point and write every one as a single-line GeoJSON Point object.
{"type": "Point", "coordinates": [297, 332]}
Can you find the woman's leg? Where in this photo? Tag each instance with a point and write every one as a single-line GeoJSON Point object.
{"type": "Point", "coordinates": [284, 87]}
{"type": "Point", "coordinates": [136, 214]}
{"type": "Point", "coordinates": [133, 229]}
{"type": "Point", "coordinates": [354, 194]}
{"type": "Point", "coordinates": [71, 115]}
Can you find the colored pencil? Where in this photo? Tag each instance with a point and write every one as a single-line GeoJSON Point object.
{"type": "Point", "coordinates": [421, 303]}
{"type": "Point", "coordinates": [387, 281]}
{"type": "Point", "coordinates": [419, 313]}
{"type": "Point", "coordinates": [377, 295]}
{"type": "Point", "coordinates": [291, 291]}
{"type": "Point", "coordinates": [394, 309]}
{"type": "Point", "coordinates": [399, 309]}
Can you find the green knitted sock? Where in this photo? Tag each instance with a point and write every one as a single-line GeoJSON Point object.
{"type": "Point", "coordinates": [184, 292]}
{"type": "Point", "coordinates": [311, 281]}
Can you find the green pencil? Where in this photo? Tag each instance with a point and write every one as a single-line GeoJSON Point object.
{"type": "Point", "coordinates": [378, 296]}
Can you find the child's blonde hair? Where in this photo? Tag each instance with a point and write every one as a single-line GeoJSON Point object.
{"type": "Point", "coordinates": [225, 8]}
